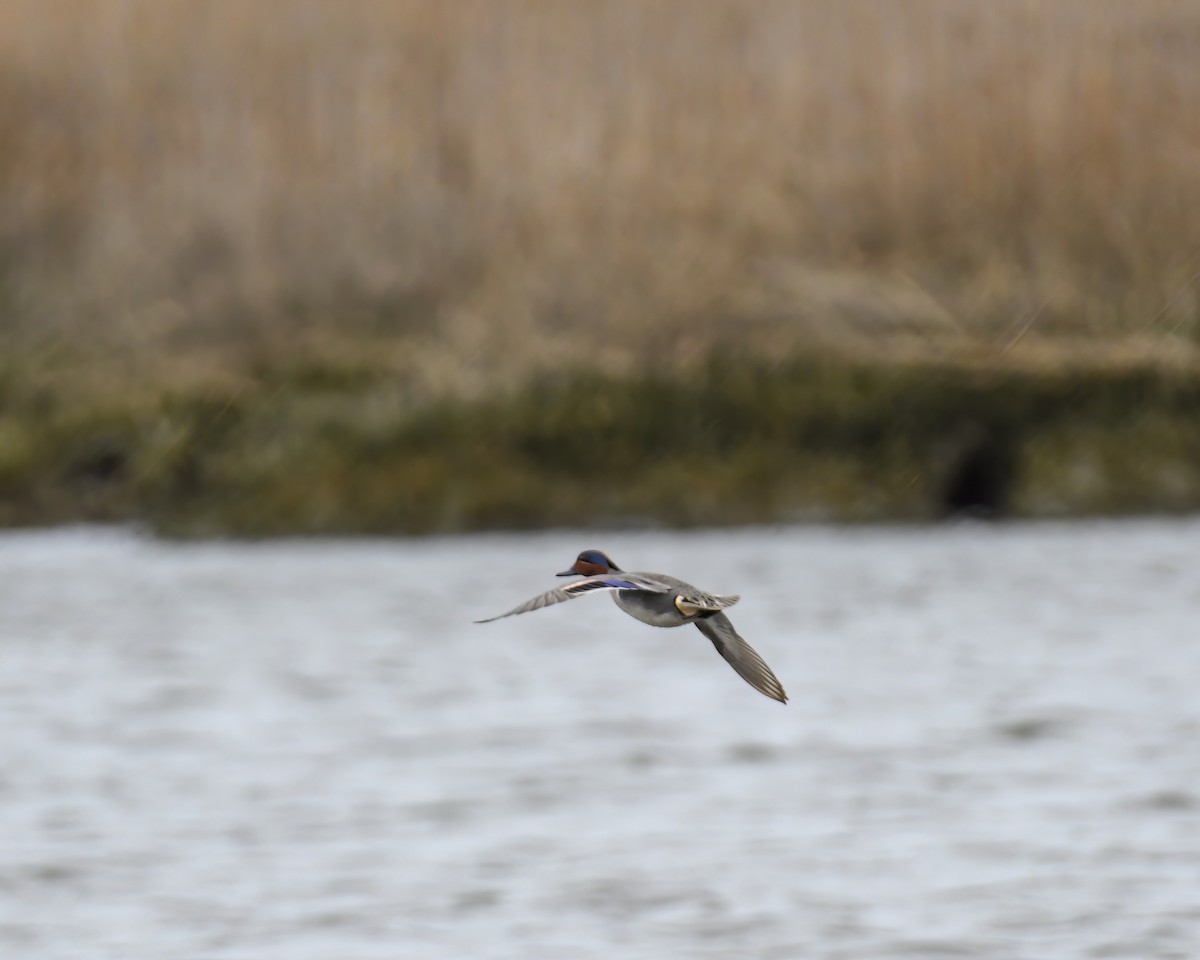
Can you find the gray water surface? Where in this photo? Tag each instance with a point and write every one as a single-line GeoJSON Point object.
{"type": "Point", "coordinates": [308, 750]}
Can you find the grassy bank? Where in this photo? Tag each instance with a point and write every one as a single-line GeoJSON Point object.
{"type": "Point", "coordinates": [312, 450]}
{"type": "Point", "coordinates": [413, 266]}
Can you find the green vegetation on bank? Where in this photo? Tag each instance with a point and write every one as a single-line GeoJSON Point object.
{"type": "Point", "coordinates": [318, 448]}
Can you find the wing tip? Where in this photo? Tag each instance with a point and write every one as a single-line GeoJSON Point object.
{"type": "Point", "coordinates": [769, 686]}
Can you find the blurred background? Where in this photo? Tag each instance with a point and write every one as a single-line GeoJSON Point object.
{"type": "Point", "coordinates": [746, 293]}
{"type": "Point", "coordinates": [297, 266]}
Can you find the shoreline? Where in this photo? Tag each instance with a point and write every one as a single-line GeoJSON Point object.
{"type": "Point", "coordinates": [738, 441]}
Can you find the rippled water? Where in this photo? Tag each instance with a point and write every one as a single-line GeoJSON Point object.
{"type": "Point", "coordinates": [307, 750]}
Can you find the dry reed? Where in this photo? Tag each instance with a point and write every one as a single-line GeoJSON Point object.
{"type": "Point", "coordinates": [466, 192]}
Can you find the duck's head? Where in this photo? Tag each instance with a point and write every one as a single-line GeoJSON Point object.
{"type": "Point", "coordinates": [590, 563]}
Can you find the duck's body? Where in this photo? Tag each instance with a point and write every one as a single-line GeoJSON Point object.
{"type": "Point", "coordinates": [663, 601]}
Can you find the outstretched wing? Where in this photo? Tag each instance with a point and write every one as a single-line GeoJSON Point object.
{"type": "Point", "coordinates": [741, 656]}
{"type": "Point", "coordinates": [578, 588]}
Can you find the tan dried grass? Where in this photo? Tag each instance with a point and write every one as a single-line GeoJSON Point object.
{"type": "Point", "coordinates": [470, 191]}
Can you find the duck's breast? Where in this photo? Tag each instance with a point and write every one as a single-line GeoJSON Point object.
{"type": "Point", "coordinates": [656, 609]}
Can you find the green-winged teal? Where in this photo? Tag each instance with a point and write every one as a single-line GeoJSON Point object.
{"type": "Point", "coordinates": [663, 601]}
